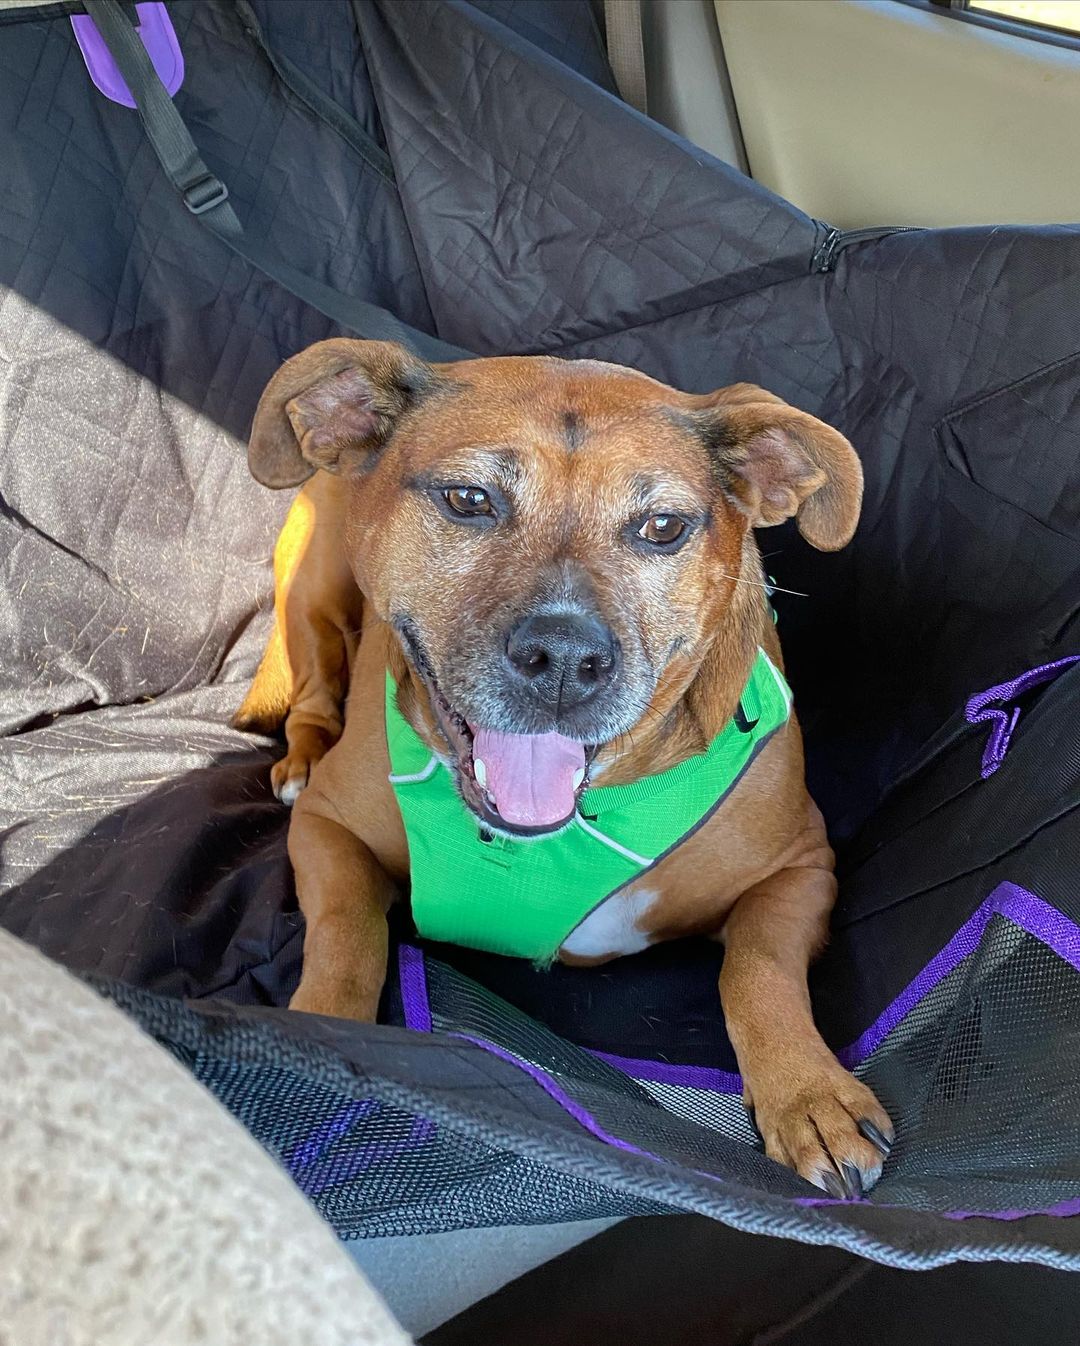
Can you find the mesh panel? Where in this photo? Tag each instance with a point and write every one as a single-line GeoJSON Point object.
{"type": "Point", "coordinates": [714, 1110]}
{"type": "Point", "coordinates": [373, 1166]}
{"type": "Point", "coordinates": [982, 1082]}
{"type": "Point", "coordinates": [985, 1099]}
{"type": "Point", "coordinates": [396, 1133]}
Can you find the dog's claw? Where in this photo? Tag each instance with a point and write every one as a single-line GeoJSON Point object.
{"type": "Point", "coordinates": [290, 792]}
{"type": "Point", "coordinates": [852, 1180]}
{"type": "Point", "coordinates": [880, 1142]}
{"type": "Point", "coordinates": [845, 1185]}
{"type": "Point", "coordinates": [830, 1181]}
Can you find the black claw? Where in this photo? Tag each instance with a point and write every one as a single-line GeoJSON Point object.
{"type": "Point", "coordinates": [751, 1117]}
{"type": "Point", "coordinates": [853, 1178]}
{"type": "Point", "coordinates": [875, 1137]}
{"type": "Point", "coordinates": [834, 1186]}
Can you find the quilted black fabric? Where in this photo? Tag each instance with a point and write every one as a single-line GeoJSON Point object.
{"type": "Point", "coordinates": [507, 202]}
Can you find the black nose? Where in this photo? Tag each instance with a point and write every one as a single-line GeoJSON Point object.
{"type": "Point", "coordinates": [565, 657]}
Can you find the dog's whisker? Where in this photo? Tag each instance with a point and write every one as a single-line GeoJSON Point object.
{"type": "Point", "coordinates": [760, 584]}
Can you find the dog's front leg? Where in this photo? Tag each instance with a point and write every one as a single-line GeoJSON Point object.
{"type": "Point", "coordinates": [344, 894]}
{"type": "Point", "coordinates": [812, 1114]}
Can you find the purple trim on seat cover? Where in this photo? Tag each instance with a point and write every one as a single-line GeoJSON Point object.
{"type": "Point", "coordinates": [412, 975]}
{"type": "Point", "coordinates": [1002, 717]}
{"type": "Point", "coordinates": [666, 1072]}
{"type": "Point", "coordinates": [553, 1090]}
{"type": "Point", "coordinates": [331, 1171]}
{"type": "Point", "coordinates": [312, 1148]}
{"type": "Point", "coordinates": [158, 37]}
{"type": "Point", "coordinates": [314, 1169]}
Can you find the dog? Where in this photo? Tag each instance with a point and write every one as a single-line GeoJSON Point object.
{"type": "Point", "coordinates": [535, 584]}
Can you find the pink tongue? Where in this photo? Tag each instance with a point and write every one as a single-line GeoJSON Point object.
{"type": "Point", "coordinates": [530, 776]}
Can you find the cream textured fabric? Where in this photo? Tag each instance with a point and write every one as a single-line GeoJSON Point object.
{"type": "Point", "coordinates": [134, 1211]}
{"type": "Point", "coordinates": [626, 51]}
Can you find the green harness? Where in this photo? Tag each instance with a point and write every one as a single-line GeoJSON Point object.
{"type": "Point", "coordinates": [524, 896]}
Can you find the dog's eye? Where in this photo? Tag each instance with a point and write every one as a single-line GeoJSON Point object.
{"type": "Point", "coordinates": [468, 501]}
{"type": "Point", "coordinates": [662, 529]}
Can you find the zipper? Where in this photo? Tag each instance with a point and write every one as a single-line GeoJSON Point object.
{"type": "Point", "coordinates": [836, 240]}
{"type": "Point", "coordinates": [315, 100]}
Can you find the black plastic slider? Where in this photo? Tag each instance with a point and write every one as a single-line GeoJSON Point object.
{"type": "Point", "coordinates": [205, 193]}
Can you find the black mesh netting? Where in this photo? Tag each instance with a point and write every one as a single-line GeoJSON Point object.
{"type": "Point", "coordinates": [494, 1119]}
{"type": "Point", "coordinates": [382, 1154]}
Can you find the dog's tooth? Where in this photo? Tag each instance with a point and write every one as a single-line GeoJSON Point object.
{"type": "Point", "coordinates": [480, 772]}
{"type": "Point", "coordinates": [579, 776]}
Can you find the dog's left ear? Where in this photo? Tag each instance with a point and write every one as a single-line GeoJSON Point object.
{"type": "Point", "coordinates": [775, 462]}
{"type": "Point", "coordinates": [334, 406]}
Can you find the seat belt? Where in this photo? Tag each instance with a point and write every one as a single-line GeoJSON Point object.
{"type": "Point", "coordinates": [207, 197]}
{"type": "Point", "coordinates": [626, 50]}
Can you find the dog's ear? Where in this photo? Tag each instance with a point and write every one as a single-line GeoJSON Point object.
{"type": "Point", "coordinates": [333, 406]}
{"type": "Point", "coordinates": [774, 461]}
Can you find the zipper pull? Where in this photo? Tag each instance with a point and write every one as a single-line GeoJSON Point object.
{"type": "Point", "coordinates": [825, 256]}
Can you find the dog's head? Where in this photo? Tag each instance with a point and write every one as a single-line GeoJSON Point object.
{"type": "Point", "coordinates": [555, 542]}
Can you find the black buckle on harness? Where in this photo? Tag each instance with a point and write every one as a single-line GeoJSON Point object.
{"type": "Point", "coordinates": [743, 723]}
{"type": "Point", "coordinates": [205, 193]}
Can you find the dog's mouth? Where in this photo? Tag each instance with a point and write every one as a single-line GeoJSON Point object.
{"type": "Point", "coordinates": [525, 784]}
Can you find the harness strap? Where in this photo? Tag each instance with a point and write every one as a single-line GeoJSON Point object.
{"type": "Point", "coordinates": [207, 197]}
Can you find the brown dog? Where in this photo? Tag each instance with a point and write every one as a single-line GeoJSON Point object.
{"type": "Point", "coordinates": [555, 559]}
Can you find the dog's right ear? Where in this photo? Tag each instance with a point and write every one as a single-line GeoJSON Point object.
{"type": "Point", "coordinates": [333, 406]}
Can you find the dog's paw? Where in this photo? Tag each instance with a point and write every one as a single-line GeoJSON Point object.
{"type": "Point", "coordinates": [290, 775]}
{"type": "Point", "coordinates": [828, 1127]}
{"type": "Point", "coordinates": [308, 745]}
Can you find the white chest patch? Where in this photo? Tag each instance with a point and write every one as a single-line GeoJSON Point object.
{"type": "Point", "coordinates": [612, 928]}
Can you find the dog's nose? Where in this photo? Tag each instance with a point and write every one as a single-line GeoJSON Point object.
{"type": "Point", "coordinates": [566, 657]}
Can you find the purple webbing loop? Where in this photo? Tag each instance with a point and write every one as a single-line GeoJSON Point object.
{"type": "Point", "coordinates": [994, 707]}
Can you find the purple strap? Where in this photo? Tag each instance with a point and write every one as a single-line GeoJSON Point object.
{"type": "Point", "coordinates": [994, 707]}
{"type": "Point", "coordinates": [158, 37]}
{"type": "Point", "coordinates": [412, 975]}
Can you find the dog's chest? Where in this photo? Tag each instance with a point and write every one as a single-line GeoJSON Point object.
{"type": "Point", "coordinates": [614, 928]}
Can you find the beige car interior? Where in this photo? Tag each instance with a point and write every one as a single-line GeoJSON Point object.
{"type": "Point", "coordinates": [869, 112]}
